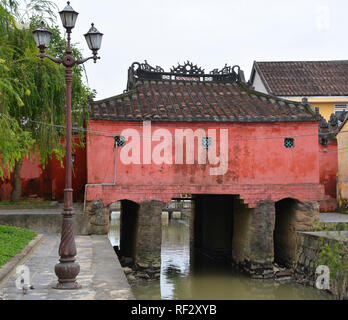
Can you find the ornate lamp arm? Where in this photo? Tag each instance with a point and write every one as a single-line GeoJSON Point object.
{"type": "Point", "coordinates": [56, 60]}
{"type": "Point", "coordinates": [70, 62]}
{"type": "Point", "coordinates": [86, 59]}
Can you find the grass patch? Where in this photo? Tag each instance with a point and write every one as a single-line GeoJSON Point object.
{"type": "Point", "coordinates": [25, 203]}
{"type": "Point", "coordinates": [13, 241]}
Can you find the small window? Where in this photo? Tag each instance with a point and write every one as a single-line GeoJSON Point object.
{"type": "Point", "coordinates": [120, 141]}
{"type": "Point", "coordinates": [207, 142]}
{"type": "Point", "coordinates": [289, 143]}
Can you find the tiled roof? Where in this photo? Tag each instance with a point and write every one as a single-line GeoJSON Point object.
{"type": "Point", "coordinates": [304, 78]}
{"type": "Point", "coordinates": [159, 96]}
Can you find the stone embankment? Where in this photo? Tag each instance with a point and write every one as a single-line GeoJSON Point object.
{"type": "Point", "coordinates": [309, 247]}
{"type": "Point", "coordinates": [136, 273]}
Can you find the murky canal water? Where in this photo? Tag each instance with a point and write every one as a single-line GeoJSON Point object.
{"type": "Point", "coordinates": [206, 280]}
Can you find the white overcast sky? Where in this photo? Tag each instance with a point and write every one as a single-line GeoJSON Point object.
{"type": "Point", "coordinates": [208, 33]}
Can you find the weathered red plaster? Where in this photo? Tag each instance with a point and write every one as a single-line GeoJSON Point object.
{"type": "Point", "coordinates": [48, 182]}
{"type": "Point", "coordinates": [328, 162]}
{"type": "Point", "coordinates": [33, 178]}
{"type": "Point", "coordinates": [259, 169]}
{"type": "Point", "coordinates": [79, 177]}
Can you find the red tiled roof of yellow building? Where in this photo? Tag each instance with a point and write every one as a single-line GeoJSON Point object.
{"type": "Point", "coordinates": [304, 78]}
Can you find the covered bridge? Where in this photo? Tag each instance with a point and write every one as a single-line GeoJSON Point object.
{"type": "Point", "coordinates": [249, 160]}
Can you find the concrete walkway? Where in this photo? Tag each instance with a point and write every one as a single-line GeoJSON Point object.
{"type": "Point", "coordinates": [101, 276]}
{"type": "Point", "coordinates": [333, 217]}
{"type": "Point", "coordinates": [45, 220]}
{"type": "Point", "coordinates": [78, 209]}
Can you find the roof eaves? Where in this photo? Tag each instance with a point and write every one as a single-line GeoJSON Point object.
{"type": "Point", "coordinates": [267, 95]}
{"type": "Point", "coordinates": [263, 79]}
{"type": "Point", "coordinates": [307, 105]}
{"type": "Point", "coordinates": [226, 120]}
{"type": "Point", "coordinates": [121, 96]}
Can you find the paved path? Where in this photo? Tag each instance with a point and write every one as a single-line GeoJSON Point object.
{"type": "Point", "coordinates": [333, 217]}
{"type": "Point", "coordinates": [101, 274]}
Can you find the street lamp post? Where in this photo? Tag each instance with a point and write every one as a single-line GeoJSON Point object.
{"type": "Point", "coordinates": [67, 270]}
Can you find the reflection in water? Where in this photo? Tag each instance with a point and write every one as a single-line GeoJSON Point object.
{"type": "Point", "coordinates": [175, 266]}
{"type": "Point", "coordinates": [206, 280]}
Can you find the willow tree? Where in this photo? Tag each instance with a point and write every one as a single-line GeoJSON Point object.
{"type": "Point", "coordinates": [32, 93]}
{"type": "Point", "coordinates": [15, 143]}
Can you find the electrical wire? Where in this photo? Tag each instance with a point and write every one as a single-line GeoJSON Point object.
{"type": "Point", "coordinates": [111, 135]}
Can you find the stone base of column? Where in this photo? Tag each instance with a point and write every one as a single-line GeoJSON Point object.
{"type": "Point", "coordinates": [306, 215]}
{"type": "Point", "coordinates": [253, 247]}
{"type": "Point", "coordinates": [99, 218]}
{"type": "Point", "coordinates": [257, 270]}
{"type": "Point", "coordinates": [149, 237]}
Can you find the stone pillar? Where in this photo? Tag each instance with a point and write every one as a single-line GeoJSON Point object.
{"type": "Point", "coordinates": [306, 214]}
{"type": "Point", "coordinates": [241, 231]}
{"type": "Point", "coordinates": [261, 254]}
{"type": "Point", "coordinates": [165, 218]}
{"type": "Point", "coordinates": [186, 209]}
{"type": "Point", "coordinates": [253, 247]}
{"type": "Point", "coordinates": [149, 236]}
{"type": "Point", "coordinates": [99, 217]}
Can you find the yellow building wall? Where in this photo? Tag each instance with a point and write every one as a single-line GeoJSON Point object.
{"type": "Point", "coordinates": [326, 105]}
{"type": "Point", "coordinates": [342, 175]}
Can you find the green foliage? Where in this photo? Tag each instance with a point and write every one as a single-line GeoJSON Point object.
{"type": "Point", "coordinates": [329, 226]}
{"type": "Point", "coordinates": [334, 254]}
{"type": "Point", "coordinates": [33, 92]}
{"type": "Point", "coordinates": [41, 9]}
{"type": "Point", "coordinates": [12, 241]}
{"type": "Point", "coordinates": [318, 226]}
{"type": "Point", "coordinates": [14, 143]}
{"type": "Point", "coordinates": [343, 205]}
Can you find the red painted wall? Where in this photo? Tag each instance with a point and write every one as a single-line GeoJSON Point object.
{"type": "Point", "coordinates": [258, 168]}
{"type": "Point", "coordinates": [49, 183]}
{"type": "Point", "coordinates": [328, 161]}
{"type": "Point", "coordinates": [35, 181]}
{"type": "Point", "coordinates": [79, 178]}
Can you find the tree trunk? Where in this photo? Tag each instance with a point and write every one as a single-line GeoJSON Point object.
{"type": "Point", "coordinates": [17, 184]}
